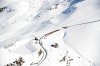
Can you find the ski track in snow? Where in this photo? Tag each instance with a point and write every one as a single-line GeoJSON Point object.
{"type": "Point", "coordinates": [49, 32]}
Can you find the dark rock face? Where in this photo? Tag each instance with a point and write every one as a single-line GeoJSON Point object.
{"type": "Point", "coordinates": [1, 9]}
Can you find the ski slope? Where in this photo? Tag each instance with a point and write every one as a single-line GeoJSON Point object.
{"type": "Point", "coordinates": [34, 30]}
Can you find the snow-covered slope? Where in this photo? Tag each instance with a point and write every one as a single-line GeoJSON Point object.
{"type": "Point", "coordinates": [32, 30]}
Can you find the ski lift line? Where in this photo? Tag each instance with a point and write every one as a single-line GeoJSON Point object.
{"type": "Point", "coordinates": [81, 24]}
{"type": "Point", "coordinates": [44, 56]}
{"type": "Point", "coordinates": [65, 27]}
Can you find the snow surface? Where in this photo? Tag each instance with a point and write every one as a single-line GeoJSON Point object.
{"type": "Point", "coordinates": [32, 29]}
